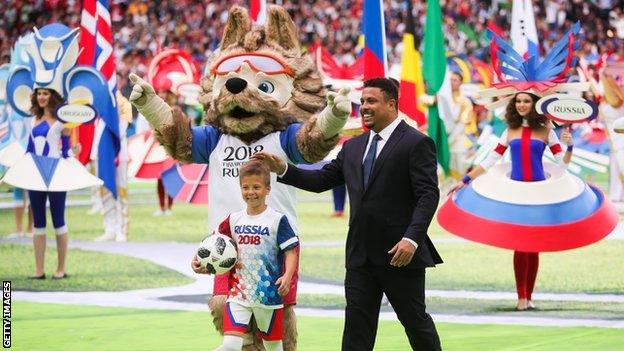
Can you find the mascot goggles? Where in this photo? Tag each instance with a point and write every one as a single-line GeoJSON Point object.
{"type": "Point", "coordinates": [258, 62]}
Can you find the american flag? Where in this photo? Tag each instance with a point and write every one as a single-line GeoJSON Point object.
{"type": "Point", "coordinates": [97, 44]}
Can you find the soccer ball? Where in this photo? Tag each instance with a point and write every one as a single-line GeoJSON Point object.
{"type": "Point", "coordinates": [217, 253]}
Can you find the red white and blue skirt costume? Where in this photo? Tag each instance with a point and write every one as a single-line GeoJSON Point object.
{"type": "Point", "coordinates": [527, 205]}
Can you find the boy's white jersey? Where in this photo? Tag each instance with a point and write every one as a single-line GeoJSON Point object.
{"type": "Point", "coordinates": [224, 185]}
{"type": "Point", "coordinates": [261, 241]}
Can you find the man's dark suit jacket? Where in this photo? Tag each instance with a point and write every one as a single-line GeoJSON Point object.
{"type": "Point", "coordinates": [400, 200]}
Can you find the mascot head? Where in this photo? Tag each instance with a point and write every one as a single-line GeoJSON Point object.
{"type": "Point", "coordinates": [259, 81]}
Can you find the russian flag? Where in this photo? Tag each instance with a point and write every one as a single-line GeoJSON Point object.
{"type": "Point", "coordinates": [375, 63]}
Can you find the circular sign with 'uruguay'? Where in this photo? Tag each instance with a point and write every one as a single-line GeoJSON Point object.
{"type": "Point", "coordinates": [566, 109]}
{"type": "Point", "coordinates": [75, 113]}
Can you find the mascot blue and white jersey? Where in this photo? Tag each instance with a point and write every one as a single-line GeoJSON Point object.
{"type": "Point", "coordinates": [226, 153]}
{"type": "Point", "coordinates": [262, 240]}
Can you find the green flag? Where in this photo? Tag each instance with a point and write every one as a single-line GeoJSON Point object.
{"type": "Point", "coordinates": [434, 69]}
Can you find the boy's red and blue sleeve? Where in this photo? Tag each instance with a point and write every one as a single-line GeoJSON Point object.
{"type": "Point", "coordinates": [286, 237]}
{"type": "Point", "coordinates": [224, 227]}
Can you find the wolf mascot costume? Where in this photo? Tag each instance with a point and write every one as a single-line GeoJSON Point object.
{"type": "Point", "coordinates": [261, 93]}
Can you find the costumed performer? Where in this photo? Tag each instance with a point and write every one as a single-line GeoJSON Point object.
{"type": "Point", "coordinates": [261, 93]}
{"type": "Point", "coordinates": [47, 169]}
{"type": "Point", "coordinates": [527, 205]}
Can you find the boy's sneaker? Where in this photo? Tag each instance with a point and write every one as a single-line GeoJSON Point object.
{"type": "Point", "coordinates": [15, 235]}
{"type": "Point", "coordinates": [167, 212]}
{"type": "Point", "coordinates": [121, 238]}
{"type": "Point", "coordinates": [158, 213]}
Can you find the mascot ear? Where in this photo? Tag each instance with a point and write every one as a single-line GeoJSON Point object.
{"type": "Point", "coordinates": [238, 24]}
{"type": "Point", "coordinates": [84, 84]}
{"type": "Point", "coordinates": [19, 88]}
{"type": "Point", "coordinates": [281, 29]}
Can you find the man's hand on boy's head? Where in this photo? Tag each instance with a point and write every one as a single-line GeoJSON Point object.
{"type": "Point", "coordinates": [283, 284]}
{"type": "Point", "coordinates": [197, 267]}
{"type": "Point", "coordinates": [275, 164]}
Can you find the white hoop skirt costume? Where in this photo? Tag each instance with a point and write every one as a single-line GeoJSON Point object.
{"type": "Point", "coordinates": [559, 213]}
{"type": "Point", "coordinates": [42, 167]}
{"type": "Point", "coordinates": [42, 173]}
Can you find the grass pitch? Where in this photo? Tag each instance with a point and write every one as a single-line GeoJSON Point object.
{"type": "Point", "coordinates": [67, 327]}
{"type": "Point", "coordinates": [87, 270]}
{"type": "Point", "coordinates": [469, 266]}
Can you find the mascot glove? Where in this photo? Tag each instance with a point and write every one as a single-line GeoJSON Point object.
{"type": "Point", "coordinates": [335, 115]}
{"type": "Point", "coordinates": [150, 105]}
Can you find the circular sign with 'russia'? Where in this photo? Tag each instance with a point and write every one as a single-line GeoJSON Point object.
{"type": "Point", "coordinates": [75, 113]}
{"type": "Point", "coordinates": [566, 109]}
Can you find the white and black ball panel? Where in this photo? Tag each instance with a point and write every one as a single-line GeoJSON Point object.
{"type": "Point", "coordinates": [203, 252]}
{"type": "Point", "coordinates": [228, 263]}
{"type": "Point", "coordinates": [220, 245]}
{"type": "Point", "coordinates": [217, 253]}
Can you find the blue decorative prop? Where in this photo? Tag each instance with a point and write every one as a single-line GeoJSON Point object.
{"type": "Point", "coordinates": [530, 74]}
{"type": "Point", "coordinates": [559, 59]}
{"type": "Point", "coordinates": [51, 56]}
{"type": "Point", "coordinates": [5, 127]}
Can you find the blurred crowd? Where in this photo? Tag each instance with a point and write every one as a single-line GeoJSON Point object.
{"type": "Point", "coordinates": [142, 27]}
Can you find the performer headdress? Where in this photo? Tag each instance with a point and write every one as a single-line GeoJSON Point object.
{"type": "Point", "coordinates": [19, 55]}
{"type": "Point", "coordinates": [52, 53]}
{"type": "Point", "coordinates": [540, 77]}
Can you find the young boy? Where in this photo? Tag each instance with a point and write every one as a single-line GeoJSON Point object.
{"type": "Point", "coordinates": [265, 245]}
